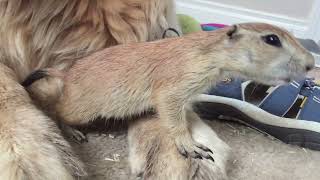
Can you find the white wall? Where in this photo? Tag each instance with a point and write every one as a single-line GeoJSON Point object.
{"type": "Point", "coordinates": [300, 9]}
{"type": "Point", "coordinates": [301, 17]}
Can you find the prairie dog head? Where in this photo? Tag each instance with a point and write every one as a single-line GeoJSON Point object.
{"type": "Point", "coordinates": [266, 53]}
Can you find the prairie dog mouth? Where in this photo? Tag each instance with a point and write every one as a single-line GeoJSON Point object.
{"type": "Point", "coordinates": [289, 78]}
{"type": "Point", "coordinates": [284, 78]}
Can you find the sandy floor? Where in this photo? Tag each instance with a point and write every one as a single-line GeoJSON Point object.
{"type": "Point", "coordinates": [256, 156]}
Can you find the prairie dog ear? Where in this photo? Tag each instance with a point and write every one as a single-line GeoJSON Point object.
{"type": "Point", "coordinates": [233, 31]}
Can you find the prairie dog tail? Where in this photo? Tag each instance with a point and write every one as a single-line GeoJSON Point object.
{"type": "Point", "coordinates": [44, 85]}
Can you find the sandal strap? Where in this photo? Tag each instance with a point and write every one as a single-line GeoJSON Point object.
{"type": "Point", "coordinates": [310, 109]}
{"type": "Point", "coordinates": [282, 98]}
{"type": "Point", "coordinates": [278, 102]}
{"type": "Point", "coordinates": [230, 88]}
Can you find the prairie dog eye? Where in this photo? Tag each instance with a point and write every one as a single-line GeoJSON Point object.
{"type": "Point", "coordinates": [272, 40]}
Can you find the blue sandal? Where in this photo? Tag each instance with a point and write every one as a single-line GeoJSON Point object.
{"type": "Point", "coordinates": [289, 113]}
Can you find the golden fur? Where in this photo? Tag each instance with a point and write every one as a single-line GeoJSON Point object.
{"type": "Point", "coordinates": [168, 75]}
{"type": "Point", "coordinates": [36, 34]}
{"type": "Point", "coordinates": [31, 146]}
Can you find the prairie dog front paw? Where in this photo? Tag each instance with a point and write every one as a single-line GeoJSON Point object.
{"type": "Point", "coordinates": [189, 148]}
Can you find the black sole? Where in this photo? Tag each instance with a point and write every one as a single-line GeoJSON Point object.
{"type": "Point", "coordinates": [300, 137]}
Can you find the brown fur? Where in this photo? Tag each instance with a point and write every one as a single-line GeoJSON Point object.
{"type": "Point", "coordinates": [167, 76]}
{"type": "Point", "coordinates": [38, 34]}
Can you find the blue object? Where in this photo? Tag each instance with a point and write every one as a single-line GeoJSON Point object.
{"type": "Point", "coordinates": [311, 108]}
{"type": "Point", "coordinates": [281, 99]}
{"type": "Point", "coordinates": [209, 28]}
{"type": "Point", "coordinates": [231, 89]}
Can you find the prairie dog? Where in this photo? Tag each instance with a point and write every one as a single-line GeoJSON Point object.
{"type": "Point", "coordinates": [167, 75]}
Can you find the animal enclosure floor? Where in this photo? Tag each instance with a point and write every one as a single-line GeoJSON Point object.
{"type": "Point", "coordinates": [255, 156]}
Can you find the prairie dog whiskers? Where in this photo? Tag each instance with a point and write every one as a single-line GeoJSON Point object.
{"type": "Point", "coordinates": [167, 75]}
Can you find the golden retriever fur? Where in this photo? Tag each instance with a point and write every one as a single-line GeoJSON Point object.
{"type": "Point", "coordinates": [31, 146]}
{"type": "Point", "coordinates": [38, 34]}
